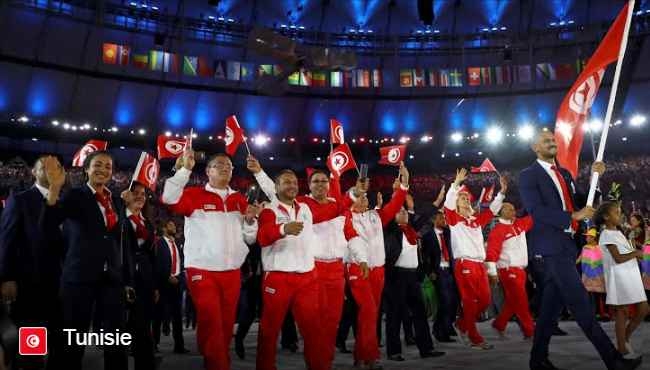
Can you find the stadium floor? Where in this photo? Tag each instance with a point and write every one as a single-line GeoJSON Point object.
{"type": "Point", "coordinates": [571, 352]}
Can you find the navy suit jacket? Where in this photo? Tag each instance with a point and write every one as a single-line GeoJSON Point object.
{"type": "Point", "coordinates": [164, 262]}
{"type": "Point", "coordinates": [431, 252]}
{"type": "Point", "coordinates": [542, 200]}
{"type": "Point", "coordinates": [88, 243]}
{"type": "Point", "coordinates": [29, 253]}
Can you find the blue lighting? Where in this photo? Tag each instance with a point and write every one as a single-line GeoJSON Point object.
{"type": "Point", "coordinates": [174, 115]}
{"type": "Point", "coordinates": [388, 123]}
{"type": "Point", "coordinates": [123, 116]}
{"type": "Point", "coordinates": [560, 7]}
{"type": "Point", "coordinates": [363, 10]}
{"type": "Point", "coordinates": [494, 9]}
{"type": "Point", "coordinates": [3, 99]}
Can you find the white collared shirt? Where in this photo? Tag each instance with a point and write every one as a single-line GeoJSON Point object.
{"type": "Point", "coordinates": [176, 269]}
{"type": "Point", "coordinates": [133, 224]}
{"type": "Point", "coordinates": [44, 191]}
{"type": "Point", "coordinates": [440, 234]}
{"type": "Point", "coordinates": [408, 258]}
{"type": "Point", "coordinates": [101, 208]}
{"type": "Point", "coordinates": [547, 167]}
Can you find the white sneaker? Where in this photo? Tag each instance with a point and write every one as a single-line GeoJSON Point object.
{"type": "Point", "coordinates": [631, 354]}
{"type": "Point", "coordinates": [462, 336]}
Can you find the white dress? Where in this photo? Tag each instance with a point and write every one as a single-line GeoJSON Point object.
{"type": "Point", "coordinates": [622, 280]}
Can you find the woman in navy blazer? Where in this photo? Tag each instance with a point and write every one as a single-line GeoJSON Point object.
{"type": "Point", "coordinates": [96, 267]}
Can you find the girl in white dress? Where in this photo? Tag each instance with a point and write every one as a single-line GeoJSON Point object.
{"type": "Point", "coordinates": [622, 276]}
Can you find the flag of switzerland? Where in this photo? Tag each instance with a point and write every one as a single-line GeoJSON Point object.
{"type": "Point", "coordinates": [32, 341]}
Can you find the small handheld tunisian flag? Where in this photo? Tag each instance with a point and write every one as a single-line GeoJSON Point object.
{"type": "Point", "coordinates": [578, 101]}
{"type": "Point", "coordinates": [89, 147]}
{"type": "Point", "coordinates": [487, 195]}
{"type": "Point", "coordinates": [392, 155]}
{"type": "Point", "coordinates": [169, 147]}
{"type": "Point", "coordinates": [341, 160]}
{"type": "Point", "coordinates": [147, 170]}
{"type": "Point", "coordinates": [336, 132]}
{"type": "Point", "coordinates": [486, 166]}
{"type": "Point", "coordinates": [234, 135]}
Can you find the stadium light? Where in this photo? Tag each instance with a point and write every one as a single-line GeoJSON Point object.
{"type": "Point", "coordinates": [142, 131]}
{"type": "Point", "coordinates": [55, 123]}
{"type": "Point", "coordinates": [595, 125]}
{"type": "Point", "coordinates": [23, 119]}
{"type": "Point", "coordinates": [168, 133]}
{"type": "Point", "coordinates": [457, 137]}
{"type": "Point", "coordinates": [494, 135]}
{"type": "Point", "coordinates": [526, 132]}
{"type": "Point", "coordinates": [260, 140]}
{"type": "Point", "coordinates": [637, 120]}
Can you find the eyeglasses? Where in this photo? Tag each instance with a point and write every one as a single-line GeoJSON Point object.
{"type": "Point", "coordinates": [222, 166]}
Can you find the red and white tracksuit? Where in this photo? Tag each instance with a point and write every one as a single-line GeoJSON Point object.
{"type": "Point", "coordinates": [333, 228]}
{"type": "Point", "coordinates": [289, 283]}
{"type": "Point", "coordinates": [367, 292]}
{"type": "Point", "coordinates": [507, 257]}
{"type": "Point", "coordinates": [469, 253]}
{"type": "Point", "coordinates": [215, 248]}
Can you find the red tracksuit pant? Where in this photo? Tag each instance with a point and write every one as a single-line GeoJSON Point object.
{"type": "Point", "coordinates": [331, 279]}
{"type": "Point", "coordinates": [474, 288]}
{"type": "Point", "coordinates": [298, 292]}
{"type": "Point", "coordinates": [513, 281]}
{"type": "Point", "coordinates": [367, 295]}
{"type": "Point", "coordinates": [215, 295]}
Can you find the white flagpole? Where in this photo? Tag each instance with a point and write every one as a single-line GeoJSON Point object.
{"type": "Point", "coordinates": [137, 169]}
{"type": "Point", "coordinates": [610, 104]}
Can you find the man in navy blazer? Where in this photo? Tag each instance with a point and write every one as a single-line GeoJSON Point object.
{"type": "Point", "coordinates": [548, 194]}
{"type": "Point", "coordinates": [442, 273]}
{"type": "Point", "coordinates": [30, 261]}
{"type": "Point", "coordinates": [170, 284]}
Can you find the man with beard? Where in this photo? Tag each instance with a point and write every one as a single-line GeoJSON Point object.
{"type": "Point", "coordinates": [548, 194]}
{"type": "Point", "coordinates": [288, 241]}
{"type": "Point", "coordinates": [334, 232]}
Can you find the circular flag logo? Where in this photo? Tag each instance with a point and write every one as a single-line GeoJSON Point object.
{"type": "Point", "coordinates": [174, 147]}
{"type": "Point", "coordinates": [583, 97]}
{"type": "Point", "coordinates": [393, 155]}
{"type": "Point", "coordinates": [338, 134]}
{"type": "Point", "coordinates": [230, 136]}
{"type": "Point", "coordinates": [340, 161]}
{"type": "Point", "coordinates": [151, 172]}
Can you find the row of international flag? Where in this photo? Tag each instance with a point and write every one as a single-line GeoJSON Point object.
{"type": "Point", "coordinates": [157, 60]}
{"type": "Point", "coordinates": [161, 61]}
{"type": "Point", "coordinates": [490, 75]}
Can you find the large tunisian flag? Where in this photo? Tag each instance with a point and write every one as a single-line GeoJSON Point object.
{"type": "Point", "coordinates": [577, 103]}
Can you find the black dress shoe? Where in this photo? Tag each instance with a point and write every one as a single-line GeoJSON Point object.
{"type": "Point", "coordinates": [181, 351]}
{"type": "Point", "coordinates": [559, 332]}
{"type": "Point", "coordinates": [432, 354]}
{"type": "Point", "coordinates": [544, 365]}
{"type": "Point", "coordinates": [446, 340]}
{"type": "Point", "coordinates": [342, 348]}
{"type": "Point", "coordinates": [239, 349]}
{"type": "Point", "coordinates": [398, 358]}
{"type": "Point", "coordinates": [627, 364]}
{"type": "Point", "coordinates": [293, 348]}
